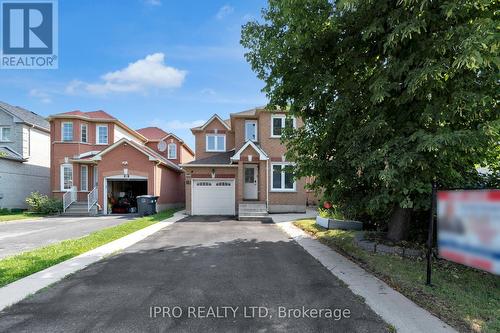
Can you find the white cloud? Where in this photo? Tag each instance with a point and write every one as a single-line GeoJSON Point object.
{"type": "Point", "coordinates": [224, 11]}
{"type": "Point", "coordinates": [174, 125]}
{"type": "Point", "coordinates": [208, 91]}
{"type": "Point", "coordinates": [43, 96]}
{"type": "Point", "coordinates": [139, 76]}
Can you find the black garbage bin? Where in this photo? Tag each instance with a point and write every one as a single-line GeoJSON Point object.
{"type": "Point", "coordinates": [146, 204]}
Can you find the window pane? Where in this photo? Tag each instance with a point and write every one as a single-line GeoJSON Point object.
{"type": "Point", "coordinates": [68, 177]}
{"type": "Point", "coordinates": [249, 175]}
{"type": "Point", "coordinates": [103, 134]}
{"type": "Point", "coordinates": [5, 133]}
{"type": "Point", "coordinates": [211, 142]}
{"type": "Point", "coordinates": [84, 178]}
{"type": "Point", "coordinates": [84, 133]}
{"type": "Point", "coordinates": [67, 132]}
{"type": "Point", "coordinates": [277, 126]}
{"type": "Point", "coordinates": [172, 150]}
{"type": "Point", "coordinates": [276, 176]}
{"type": "Point", "coordinates": [250, 131]}
{"type": "Point", "coordinates": [288, 179]}
{"type": "Point", "coordinates": [220, 143]}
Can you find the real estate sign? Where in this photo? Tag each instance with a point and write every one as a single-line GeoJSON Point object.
{"type": "Point", "coordinates": [469, 228]}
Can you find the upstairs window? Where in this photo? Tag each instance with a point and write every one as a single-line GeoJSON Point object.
{"type": "Point", "coordinates": [84, 136]}
{"type": "Point", "coordinates": [250, 130]}
{"type": "Point", "coordinates": [67, 131]}
{"type": "Point", "coordinates": [102, 134]}
{"type": "Point", "coordinates": [5, 134]}
{"type": "Point", "coordinates": [216, 142]}
{"type": "Point", "coordinates": [280, 122]}
{"type": "Point", "coordinates": [172, 151]}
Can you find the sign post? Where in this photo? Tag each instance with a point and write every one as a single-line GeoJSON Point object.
{"type": "Point", "coordinates": [430, 237]}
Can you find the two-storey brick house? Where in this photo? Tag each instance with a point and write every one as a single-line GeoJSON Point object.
{"type": "Point", "coordinates": [240, 167]}
{"type": "Point", "coordinates": [100, 164]}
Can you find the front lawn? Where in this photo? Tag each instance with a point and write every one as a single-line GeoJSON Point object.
{"type": "Point", "coordinates": [27, 263]}
{"type": "Point", "coordinates": [18, 216]}
{"type": "Point", "coordinates": [466, 298]}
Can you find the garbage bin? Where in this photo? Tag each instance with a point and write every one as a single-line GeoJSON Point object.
{"type": "Point", "coordinates": [146, 204]}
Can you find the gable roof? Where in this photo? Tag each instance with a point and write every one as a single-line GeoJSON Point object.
{"type": "Point", "coordinates": [152, 155]}
{"type": "Point", "coordinates": [9, 154]}
{"type": "Point", "coordinates": [99, 114]}
{"type": "Point", "coordinates": [262, 154]}
{"type": "Point", "coordinates": [26, 116]}
{"type": "Point", "coordinates": [153, 133]}
{"type": "Point", "coordinates": [214, 117]}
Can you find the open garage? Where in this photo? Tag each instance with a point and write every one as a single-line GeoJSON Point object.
{"type": "Point", "coordinates": [122, 194]}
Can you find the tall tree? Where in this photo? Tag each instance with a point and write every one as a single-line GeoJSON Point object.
{"type": "Point", "coordinates": [395, 94]}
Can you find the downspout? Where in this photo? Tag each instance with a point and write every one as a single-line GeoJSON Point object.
{"type": "Point", "coordinates": [267, 184]}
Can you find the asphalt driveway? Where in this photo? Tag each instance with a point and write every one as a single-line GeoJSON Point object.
{"type": "Point", "coordinates": [199, 275]}
{"type": "Point", "coordinates": [24, 235]}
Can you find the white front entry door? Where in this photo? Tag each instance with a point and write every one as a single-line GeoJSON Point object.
{"type": "Point", "coordinates": [251, 183]}
{"type": "Point", "coordinates": [212, 197]}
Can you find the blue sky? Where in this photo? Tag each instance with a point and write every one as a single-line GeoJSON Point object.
{"type": "Point", "coordinates": [161, 63]}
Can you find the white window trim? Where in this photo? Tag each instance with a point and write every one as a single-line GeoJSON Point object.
{"type": "Point", "coordinates": [256, 130]}
{"type": "Point", "coordinates": [86, 133]}
{"type": "Point", "coordinates": [1, 133]}
{"type": "Point", "coordinates": [72, 131]}
{"type": "Point", "coordinates": [62, 177]}
{"type": "Point", "coordinates": [86, 187]}
{"type": "Point", "coordinates": [175, 151]}
{"type": "Point", "coordinates": [282, 188]}
{"type": "Point", "coordinates": [97, 134]}
{"type": "Point", "coordinates": [217, 149]}
{"type": "Point", "coordinates": [283, 122]}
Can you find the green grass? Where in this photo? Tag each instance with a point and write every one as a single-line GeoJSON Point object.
{"type": "Point", "coordinates": [27, 263]}
{"type": "Point", "coordinates": [18, 216]}
{"type": "Point", "coordinates": [466, 298]}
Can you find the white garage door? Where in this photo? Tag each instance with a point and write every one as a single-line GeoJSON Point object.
{"type": "Point", "coordinates": [213, 197]}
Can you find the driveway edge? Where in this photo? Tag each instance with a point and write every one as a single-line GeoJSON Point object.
{"type": "Point", "coordinates": [389, 304]}
{"type": "Point", "coordinates": [22, 288]}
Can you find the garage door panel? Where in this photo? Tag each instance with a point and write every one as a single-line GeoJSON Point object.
{"type": "Point", "coordinates": [213, 197]}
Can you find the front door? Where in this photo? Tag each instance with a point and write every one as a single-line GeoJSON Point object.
{"type": "Point", "coordinates": [251, 184]}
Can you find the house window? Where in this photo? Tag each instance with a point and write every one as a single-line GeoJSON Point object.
{"type": "Point", "coordinates": [67, 131]}
{"type": "Point", "coordinates": [5, 134]}
{"type": "Point", "coordinates": [216, 142]}
{"type": "Point", "coordinates": [282, 177]}
{"type": "Point", "coordinates": [66, 177]}
{"type": "Point", "coordinates": [251, 130]}
{"type": "Point", "coordinates": [280, 122]}
{"type": "Point", "coordinates": [172, 151]}
{"type": "Point", "coordinates": [84, 130]}
{"type": "Point", "coordinates": [102, 134]}
{"type": "Point", "coordinates": [84, 178]}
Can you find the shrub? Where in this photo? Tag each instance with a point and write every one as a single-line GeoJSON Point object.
{"type": "Point", "coordinates": [328, 210]}
{"type": "Point", "coordinates": [42, 204]}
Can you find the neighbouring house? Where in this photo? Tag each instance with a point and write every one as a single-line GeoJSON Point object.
{"type": "Point", "coordinates": [240, 167]}
{"type": "Point", "coordinates": [24, 155]}
{"type": "Point", "coordinates": [99, 164]}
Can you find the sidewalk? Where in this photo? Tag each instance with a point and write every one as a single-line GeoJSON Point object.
{"type": "Point", "coordinates": [392, 306]}
{"type": "Point", "coordinates": [20, 289]}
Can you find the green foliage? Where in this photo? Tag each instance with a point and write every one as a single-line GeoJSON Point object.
{"type": "Point", "coordinates": [42, 204]}
{"type": "Point", "coordinates": [394, 94]}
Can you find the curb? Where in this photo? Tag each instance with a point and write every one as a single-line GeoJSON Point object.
{"type": "Point", "coordinates": [20, 289]}
{"type": "Point", "coordinates": [389, 304]}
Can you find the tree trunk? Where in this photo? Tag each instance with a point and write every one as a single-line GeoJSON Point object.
{"type": "Point", "coordinates": [399, 224]}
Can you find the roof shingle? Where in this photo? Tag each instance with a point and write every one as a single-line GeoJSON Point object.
{"type": "Point", "coordinates": [26, 116]}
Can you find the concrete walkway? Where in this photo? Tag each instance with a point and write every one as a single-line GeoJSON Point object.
{"type": "Point", "coordinates": [392, 306]}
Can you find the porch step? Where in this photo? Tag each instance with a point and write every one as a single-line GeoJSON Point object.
{"type": "Point", "coordinates": [252, 211]}
{"type": "Point", "coordinates": [80, 208]}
